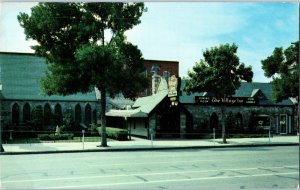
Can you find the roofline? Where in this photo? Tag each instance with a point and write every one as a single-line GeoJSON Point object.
{"type": "Point", "coordinates": [257, 82]}
{"type": "Point", "coordinates": [152, 60]}
{"type": "Point", "coordinates": [33, 54]}
{"type": "Point", "coordinates": [18, 53]}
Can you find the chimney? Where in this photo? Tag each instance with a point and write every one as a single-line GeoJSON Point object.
{"type": "Point", "coordinates": [166, 75]}
{"type": "Point", "coordinates": [155, 78]}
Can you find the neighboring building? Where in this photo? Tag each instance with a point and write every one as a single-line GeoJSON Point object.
{"type": "Point", "coordinates": [21, 93]}
{"type": "Point", "coordinates": [20, 75]}
{"type": "Point", "coordinates": [197, 115]}
{"type": "Point", "coordinates": [251, 106]}
{"type": "Point", "coordinates": [152, 115]}
{"type": "Point", "coordinates": [162, 68]}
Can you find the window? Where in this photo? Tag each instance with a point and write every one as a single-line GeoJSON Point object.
{"type": "Point", "coordinates": [88, 115]}
{"type": "Point", "coordinates": [77, 114]}
{"type": "Point", "coordinates": [26, 113]}
{"type": "Point", "coordinates": [15, 114]}
{"type": "Point", "coordinates": [58, 117]}
{"type": "Point", "coordinates": [47, 114]}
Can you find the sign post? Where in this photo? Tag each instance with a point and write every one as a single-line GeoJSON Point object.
{"type": "Point", "coordinates": [151, 136]}
{"type": "Point", "coordinates": [83, 138]}
{"type": "Point", "coordinates": [214, 135]}
{"type": "Point", "coordinates": [270, 133]}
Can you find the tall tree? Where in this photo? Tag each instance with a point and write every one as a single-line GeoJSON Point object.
{"type": "Point", "coordinates": [220, 73]}
{"type": "Point", "coordinates": [283, 67]}
{"type": "Point", "coordinates": [85, 47]}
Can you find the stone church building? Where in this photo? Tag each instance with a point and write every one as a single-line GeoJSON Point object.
{"type": "Point", "coordinates": [20, 94]}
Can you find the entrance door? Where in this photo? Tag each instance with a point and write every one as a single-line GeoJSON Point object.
{"type": "Point", "coordinates": [283, 123]}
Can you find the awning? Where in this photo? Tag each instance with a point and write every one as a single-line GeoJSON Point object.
{"type": "Point", "coordinates": [126, 113]}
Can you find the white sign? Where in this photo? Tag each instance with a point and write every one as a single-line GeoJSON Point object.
{"type": "Point", "coordinates": [173, 83]}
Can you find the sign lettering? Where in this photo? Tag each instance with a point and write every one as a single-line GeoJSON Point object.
{"type": "Point", "coordinates": [226, 101]}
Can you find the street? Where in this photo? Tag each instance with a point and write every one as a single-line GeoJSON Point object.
{"type": "Point", "coordinates": [216, 168]}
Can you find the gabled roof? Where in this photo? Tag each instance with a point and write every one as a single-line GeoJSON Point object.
{"type": "Point", "coordinates": [247, 89]}
{"type": "Point", "coordinates": [254, 89]}
{"type": "Point", "coordinates": [126, 113]}
{"type": "Point", "coordinates": [20, 75]}
{"type": "Point", "coordinates": [255, 92]}
{"type": "Point", "coordinates": [119, 101]}
{"type": "Point", "coordinates": [148, 103]}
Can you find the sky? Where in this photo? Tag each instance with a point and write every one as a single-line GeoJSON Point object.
{"type": "Point", "coordinates": [181, 31]}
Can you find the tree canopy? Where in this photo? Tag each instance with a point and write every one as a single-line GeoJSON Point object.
{"type": "Point", "coordinates": [220, 73]}
{"type": "Point", "coordinates": [85, 47]}
{"type": "Point", "coordinates": [283, 67]}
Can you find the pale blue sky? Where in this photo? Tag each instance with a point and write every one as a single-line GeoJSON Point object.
{"type": "Point", "coordinates": [179, 31]}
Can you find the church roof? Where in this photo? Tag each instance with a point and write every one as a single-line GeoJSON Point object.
{"type": "Point", "coordinates": [20, 75]}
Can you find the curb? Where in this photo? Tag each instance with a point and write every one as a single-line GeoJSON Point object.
{"type": "Point", "coordinates": [147, 149]}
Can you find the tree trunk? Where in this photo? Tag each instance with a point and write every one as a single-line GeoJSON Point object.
{"type": "Point", "coordinates": [103, 118]}
{"type": "Point", "coordinates": [223, 124]}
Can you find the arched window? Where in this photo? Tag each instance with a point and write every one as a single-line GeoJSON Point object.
{"type": "Point", "coordinates": [239, 121]}
{"type": "Point", "coordinates": [77, 114]}
{"type": "Point", "coordinates": [88, 115]}
{"type": "Point", "coordinates": [47, 114]}
{"type": "Point", "coordinates": [214, 121]}
{"type": "Point", "coordinates": [230, 122]}
{"type": "Point", "coordinates": [95, 116]}
{"type": "Point", "coordinates": [58, 116]}
{"type": "Point", "coordinates": [15, 114]}
{"type": "Point", "coordinates": [26, 113]}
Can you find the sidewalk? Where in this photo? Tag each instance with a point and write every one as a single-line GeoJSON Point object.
{"type": "Point", "coordinates": [143, 144]}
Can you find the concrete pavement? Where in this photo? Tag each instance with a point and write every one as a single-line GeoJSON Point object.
{"type": "Point", "coordinates": [143, 144]}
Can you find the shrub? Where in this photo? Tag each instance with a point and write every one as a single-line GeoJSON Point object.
{"type": "Point", "coordinates": [66, 136]}
{"type": "Point", "coordinates": [115, 133]}
{"type": "Point", "coordinates": [37, 117]}
{"type": "Point", "coordinates": [93, 129]}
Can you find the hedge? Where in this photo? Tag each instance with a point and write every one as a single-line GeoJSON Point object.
{"type": "Point", "coordinates": [65, 136]}
{"type": "Point", "coordinates": [115, 133]}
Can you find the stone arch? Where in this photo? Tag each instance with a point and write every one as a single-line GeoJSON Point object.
{"type": "Point", "coordinates": [88, 114]}
{"type": "Point", "coordinates": [230, 122]}
{"type": "Point", "coordinates": [26, 113]}
{"type": "Point", "coordinates": [47, 115]}
{"type": "Point", "coordinates": [15, 114]}
{"type": "Point", "coordinates": [77, 114]}
{"type": "Point", "coordinates": [58, 116]}
{"type": "Point", "coordinates": [95, 116]}
{"type": "Point", "coordinates": [239, 121]}
{"type": "Point", "coordinates": [214, 121]}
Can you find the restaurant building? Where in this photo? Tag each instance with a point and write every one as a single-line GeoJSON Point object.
{"type": "Point", "coordinates": [249, 111]}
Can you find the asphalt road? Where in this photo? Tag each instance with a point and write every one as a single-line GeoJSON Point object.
{"type": "Point", "coordinates": [225, 168]}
